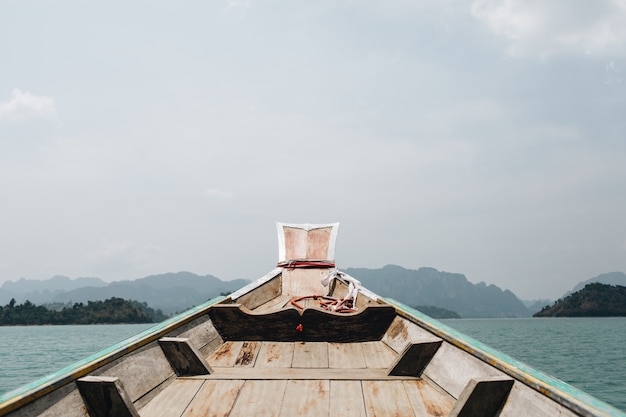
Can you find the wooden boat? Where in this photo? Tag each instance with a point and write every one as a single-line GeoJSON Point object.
{"type": "Point", "coordinates": [287, 345]}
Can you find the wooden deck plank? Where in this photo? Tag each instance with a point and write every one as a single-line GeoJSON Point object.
{"type": "Point", "coordinates": [386, 398]}
{"type": "Point", "coordinates": [310, 355]}
{"type": "Point", "coordinates": [225, 355]}
{"type": "Point", "coordinates": [215, 399]}
{"type": "Point", "coordinates": [173, 400]}
{"type": "Point", "coordinates": [304, 281]}
{"type": "Point", "coordinates": [259, 399]}
{"type": "Point", "coordinates": [345, 355]}
{"type": "Point", "coordinates": [309, 303]}
{"type": "Point", "coordinates": [426, 400]}
{"type": "Point", "coordinates": [275, 355]}
{"type": "Point", "coordinates": [306, 398]}
{"type": "Point", "coordinates": [248, 354]}
{"type": "Point", "coordinates": [273, 304]}
{"type": "Point", "coordinates": [346, 399]}
{"type": "Point", "coordinates": [378, 354]}
{"type": "Point", "coordinates": [379, 374]}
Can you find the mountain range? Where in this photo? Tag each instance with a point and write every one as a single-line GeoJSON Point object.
{"type": "Point", "coordinates": [171, 292]}
{"type": "Point", "coordinates": [175, 292]}
{"type": "Point", "coordinates": [430, 287]}
{"type": "Point", "coordinates": [611, 278]}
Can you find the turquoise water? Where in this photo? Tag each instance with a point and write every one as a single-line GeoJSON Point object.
{"type": "Point", "coordinates": [588, 353]}
{"type": "Point", "coordinates": [30, 352]}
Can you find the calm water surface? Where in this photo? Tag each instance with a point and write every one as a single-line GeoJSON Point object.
{"type": "Point", "coordinates": [31, 352]}
{"type": "Point", "coordinates": [588, 353]}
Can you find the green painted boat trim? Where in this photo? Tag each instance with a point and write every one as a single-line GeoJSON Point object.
{"type": "Point", "coordinates": [40, 387]}
{"type": "Point", "coordinates": [561, 392]}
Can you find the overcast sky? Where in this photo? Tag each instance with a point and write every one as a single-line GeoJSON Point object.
{"type": "Point", "coordinates": [481, 137]}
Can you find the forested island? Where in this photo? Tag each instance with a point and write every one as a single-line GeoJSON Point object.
{"type": "Point", "coordinates": [595, 300]}
{"type": "Point", "coordinates": [111, 311]}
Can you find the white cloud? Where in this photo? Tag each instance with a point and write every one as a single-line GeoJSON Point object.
{"type": "Point", "coordinates": [24, 106]}
{"type": "Point", "coordinates": [548, 27]}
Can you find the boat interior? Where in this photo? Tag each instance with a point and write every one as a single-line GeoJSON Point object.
{"type": "Point", "coordinates": [279, 347]}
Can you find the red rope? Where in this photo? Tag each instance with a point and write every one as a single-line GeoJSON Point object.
{"type": "Point", "coordinates": [306, 264]}
{"type": "Point", "coordinates": [338, 305]}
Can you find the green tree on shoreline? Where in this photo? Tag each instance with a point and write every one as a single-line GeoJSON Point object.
{"type": "Point", "coordinates": [111, 311]}
{"type": "Point", "coordinates": [594, 300]}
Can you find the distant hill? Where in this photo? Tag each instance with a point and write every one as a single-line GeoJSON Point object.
{"type": "Point", "coordinates": [175, 292]}
{"type": "Point", "coordinates": [594, 300]}
{"type": "Point", "coordinates": [430, 287]}
{"type": "Point", "coordinates": [171, 292]}
{"type": "Point", "coordinates": [534, 306]}
{"type": "Point", "coordinates": [40, 291]}
{"type": "Point", "coordinates": [611, 278]}
{"type": "Point", "coordinates": [56, 283]}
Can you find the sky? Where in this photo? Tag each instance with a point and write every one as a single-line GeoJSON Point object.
{"type": "Point", "coordinates": [480, 137]}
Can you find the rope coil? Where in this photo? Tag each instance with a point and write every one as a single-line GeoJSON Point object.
{"type": "Point", "coordinates": [345, 304]}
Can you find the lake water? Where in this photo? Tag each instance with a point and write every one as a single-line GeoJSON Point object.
{"type": "Point", "coordinates": [30, 352]}
{"type": "Point", "coordinates": [588, 353]}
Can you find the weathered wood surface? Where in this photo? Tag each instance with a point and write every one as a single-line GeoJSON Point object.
{"type": "Point", "coordinates": [248, 354]}
{"type": "Point", "coordinates": [482, 397]}
{"type": "Point", "coordinates": [378, 354]}
{"type": "Point", "coordinates": [291, 397]}
{"type": "Point", "coordinates": [65, 402]}
{"type": "Point", "coordinates": [140, 371]}
{"type": "Point", "coordinates": [295, 378]}
{"type": "Point", "coordinates": [263, 294]}
{"type": "Point", "coordinates": [305, 243]}
{"type": "Point", "coordinates": [183, 356]}
{"type": "Point", "coordinates": [452, 368]}
{"type": "Point", "coordinates": [533, 404]}
{"type": "Point", "coordinates": [346, 355]}
{"type": "Point", "coordinates": [174, 400]}
{"type": "Point", "coordinates": [346, 399]}
{"type": "Point", "coordinates": [226, 355]}
{"type": "Point", "coordinates": [105, 397]}
{"type": "Point", "coordinates": [401, 332]}
{"type": "Point", "coordinates": [312, 325]}
{"type": "Point", "coordinates": [201, 334]}
{"type": "Point", "coordinates": [340, 290]}
{"type": "Point", "coordinates": [302, 355]}
{"type": "Point", "coordinates": [260, 399]}
{"type": "Point", "coordinates": [276, 303]}
{"type": "Point", "coordinates": [275, 355]}
{"type": "Point", "coordinates": [386, 398]}
{"type": "Point", "coordinates": [339, 374]}
{"type": "Point", "coordinates": [214, 399]}
{"type": "Point", "coordinates": [304, 281]}
{"type": "Point", "coordinates": [306, 398]}
{"type": "Point", "coordinates": [428, 399]}
{"type": "Point", "coordinates": [310, 355]}
{"type": "Point", "coordinates": [414, 358]}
